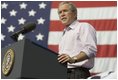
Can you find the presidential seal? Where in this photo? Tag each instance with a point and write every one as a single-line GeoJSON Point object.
{"type": "Point", "coordinates": [8, 61]}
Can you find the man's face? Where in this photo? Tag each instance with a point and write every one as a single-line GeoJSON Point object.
{"type": "Point", "coordinates": [65, 14]}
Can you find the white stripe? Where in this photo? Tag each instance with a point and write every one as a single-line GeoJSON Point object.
{"type": "Point", "coordinates": [90, 13]}
{"type": "Point", "coordinates": [103, 37]}
{"type": "Point", "coordinates": [106, 37]}
{"type": "Point", "coordinates": [54, 37]}
{"type": "Point", "coordinates": [104, 64]}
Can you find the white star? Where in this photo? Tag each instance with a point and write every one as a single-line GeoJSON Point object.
{"type": "Point", "coordinates": [32, 13]}
{"type": "Point", "coordinates": [41, 20]}
{"type": "Point", "coordinates": [42, 5]}
{"type": "Point", "coordinates": [13, 13]}
{"type": "Point", "coordinates": [3, 20]}
{"type": "Point", "coordinates": [20, 37]}
{"type": "Point", "coordinates": [4, 6]}
{"type": "Point", "coordinates": [2, 37]}
{"type": "Point", "coordinates": [23, 5]}
{"type": "Point", "coordinates": [39, 36]}
{"type": "Point", "coordinates": [11, 28]}
{"type": "Point", "coordinates": [21, 21]}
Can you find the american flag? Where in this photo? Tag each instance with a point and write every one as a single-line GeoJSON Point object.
{"type": "Point", "coordinates": [15, 14]}
{"type": "Point", "coordinates": [101, 14]}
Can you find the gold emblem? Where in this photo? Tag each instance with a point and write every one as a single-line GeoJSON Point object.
{"type": "Point", "coordinates": [8, 61]}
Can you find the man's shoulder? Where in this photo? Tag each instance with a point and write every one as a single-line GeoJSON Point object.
{"type": "Point", "coordinates": [83, 23]}
{"type": "Point", "coordinates": [86, 25]}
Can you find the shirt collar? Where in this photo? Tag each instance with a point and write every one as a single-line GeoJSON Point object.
{"type": "Point", "coordinates": [72, 26]}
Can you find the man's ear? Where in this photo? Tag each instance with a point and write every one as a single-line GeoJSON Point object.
{"type": "Point", "coordinates": [75, 15]}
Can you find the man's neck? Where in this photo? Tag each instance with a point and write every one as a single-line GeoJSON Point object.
{"type": "Point", "coordinates": [69, 24]}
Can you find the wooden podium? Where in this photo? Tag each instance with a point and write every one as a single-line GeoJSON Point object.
{"type": "Point", "coordinates": [25, 59]}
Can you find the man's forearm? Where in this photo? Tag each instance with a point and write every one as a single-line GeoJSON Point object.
{"type": "Point", "coordinates": [80, 57]}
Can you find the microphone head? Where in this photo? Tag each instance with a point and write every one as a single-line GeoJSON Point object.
{"type": "Point", "coordinates": [28, 27]}
{"type": "Point", "coordinates": [25, 29]}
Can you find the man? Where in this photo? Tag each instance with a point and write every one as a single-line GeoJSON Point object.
{"type": "Point", "coordinates": [78, 44]}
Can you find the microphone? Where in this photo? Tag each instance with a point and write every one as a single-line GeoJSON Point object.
{"type": "Point", "coordinates": [25, 29]}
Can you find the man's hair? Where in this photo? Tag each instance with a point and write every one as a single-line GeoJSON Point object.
{"type": "Point", "coordinates": [71, 5]}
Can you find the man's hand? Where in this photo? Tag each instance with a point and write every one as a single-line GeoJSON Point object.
{"type": "Point", "coordinates": [63, 58]}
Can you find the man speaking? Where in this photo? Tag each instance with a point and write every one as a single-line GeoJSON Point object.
{"type": "Point", "coordinates": [78, 43]}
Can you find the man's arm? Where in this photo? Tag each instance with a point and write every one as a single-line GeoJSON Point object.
{"type": "Point", "coordinates": [66, 58]}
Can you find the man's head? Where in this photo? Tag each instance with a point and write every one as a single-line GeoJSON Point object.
{"type": "Point", "coordinates": [67, 13]}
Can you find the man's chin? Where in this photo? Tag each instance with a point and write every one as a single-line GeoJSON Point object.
{"type": "Point", "coordinates": [64, 23]}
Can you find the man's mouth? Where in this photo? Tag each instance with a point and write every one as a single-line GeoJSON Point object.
{"type": "Point", "coordinates": [63, 19]}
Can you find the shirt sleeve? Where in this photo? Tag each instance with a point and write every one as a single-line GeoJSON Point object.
{"type": "Point", "coordinates": [88, 38]}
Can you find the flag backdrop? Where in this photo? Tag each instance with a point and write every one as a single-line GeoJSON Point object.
{"type": "Point", "coordinates": [101, 14]}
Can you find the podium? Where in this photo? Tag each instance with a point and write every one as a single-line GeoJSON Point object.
{"type": "Point", "coordinates": [30, 61]}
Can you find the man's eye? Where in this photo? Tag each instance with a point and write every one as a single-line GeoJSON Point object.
{"type": "Point", "coordinates": [59, 12]}
{"type": "Point", "coordinates": [65, 10]}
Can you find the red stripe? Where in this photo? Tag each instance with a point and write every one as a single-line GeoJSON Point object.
{"type": "Point", "coordinates": [107, 51]}
{"type": "Point", "coordinates": [100, 25]}
{"type": "Point", "coordinates": [53, 48]}
{"type": "Point", "coordinates": [103, 50]}
{"type": "Point", "coordinates": [88, 3]}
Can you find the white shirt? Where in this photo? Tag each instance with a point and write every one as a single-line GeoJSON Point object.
{"type": "Point", "coordinates": [79, 37]}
